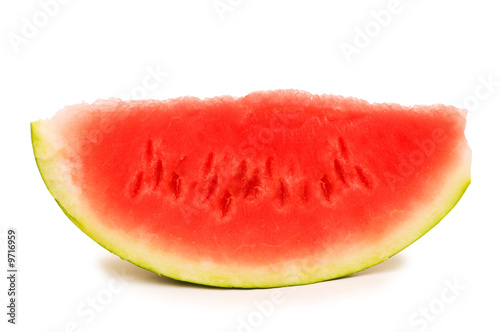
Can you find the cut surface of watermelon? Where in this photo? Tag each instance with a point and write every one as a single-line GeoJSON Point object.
{"type": "Point", "coordinates": [272, 189]}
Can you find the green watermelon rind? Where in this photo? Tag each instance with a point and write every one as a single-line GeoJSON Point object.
{"type": "Point", "coordinates": [133, 248]}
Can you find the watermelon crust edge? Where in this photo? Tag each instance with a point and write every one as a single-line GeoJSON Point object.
{"type": "Point", "coordinates": [136, 249]}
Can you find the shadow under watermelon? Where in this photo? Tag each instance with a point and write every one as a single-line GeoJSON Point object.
{"type": "Point", "coordinates": [123, 269]}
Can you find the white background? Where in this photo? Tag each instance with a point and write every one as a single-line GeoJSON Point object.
{"type": "Point", "coordinates": [426, 52]}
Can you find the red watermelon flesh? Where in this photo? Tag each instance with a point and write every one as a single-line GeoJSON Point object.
{"type": "Point", "coordinates": [271, 189]}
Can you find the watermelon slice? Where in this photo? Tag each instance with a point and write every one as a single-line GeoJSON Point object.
{"type": "Point", "coordinates": [272, 189]}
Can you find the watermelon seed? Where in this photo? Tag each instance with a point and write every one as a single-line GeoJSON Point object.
{"type": "Point", "coordinates": [239, 178]}
{"type": "Point", "coordinates": [137, 184]}
{"type": "Point", "coordinates": [252, 186]}
{"type": "Point", "coordinates": [175, 184]}
{"type": "Point", "coordinates": [208, 163]}
{"type": "Point", "coordinates": [225, 203]}
{"type": "Point", "coordinates": [342, 147]}
{"type": "Point", "coordinates": [363, 177]}
{"type": "Point", "coordinates": [340, 171]}
{"type": "Point", "coordinates": [158, 172]}
{"type": "Point", "coordinates": [242, 171]}
{"type": "Point", "coordinates": [149, 150]}
{"type": "Point", "coordinates": [212, 186]}
{"type": "Point", "coordinates": [304, 192]}
{"type": "Point", "coordinates": [283, 194]}
{"type": "Point", "coordinates": [326, 186]}
{"type": "Point", "coordinates": [269, 167]}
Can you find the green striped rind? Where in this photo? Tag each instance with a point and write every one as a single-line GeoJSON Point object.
{"type": "Point", "coordinates": [140, 250]}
